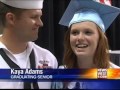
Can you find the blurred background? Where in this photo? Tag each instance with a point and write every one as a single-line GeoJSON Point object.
{"type": "Point", "coordinates": [52, 34]}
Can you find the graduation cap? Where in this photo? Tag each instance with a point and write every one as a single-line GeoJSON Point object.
{"type": "Point", "coordinates": [24, 4]}
{"type": "Point", "coordinates": [89, 10]}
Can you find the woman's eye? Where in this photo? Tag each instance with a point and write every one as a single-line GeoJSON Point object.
{"type": "Point", "coordinates": [88, 32]}
{"type": "Point", "coordinates": [74, 32]}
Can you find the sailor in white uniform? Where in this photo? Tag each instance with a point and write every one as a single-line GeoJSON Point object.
{"type": "Point", "coordinates": [16, 47]}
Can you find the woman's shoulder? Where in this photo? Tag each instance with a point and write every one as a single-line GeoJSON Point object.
{"type": "Point", "coordinates": [112, 65]}
{"type": "Point", "coordinates": [62, 67]}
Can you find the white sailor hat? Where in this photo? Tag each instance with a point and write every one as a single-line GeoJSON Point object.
{"type": "Point", "coordinates": [24, 4]}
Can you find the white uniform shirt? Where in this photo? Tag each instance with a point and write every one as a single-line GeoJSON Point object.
{"type": "Point", "coordinates": [42, 56]}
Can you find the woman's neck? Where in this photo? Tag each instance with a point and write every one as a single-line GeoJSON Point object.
{"type": "Point", "coordinates": [85, 62]}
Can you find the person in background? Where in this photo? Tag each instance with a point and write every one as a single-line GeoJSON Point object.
{"type": "Point", "coordinates": [85, 44]}
{"type": "Point", "coordinates": [21, 20]}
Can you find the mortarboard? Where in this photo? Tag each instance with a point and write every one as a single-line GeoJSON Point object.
{"type": "Point", "coordinates": [24, 4]}
{"type": "Point", "coordinates": [89, 10]}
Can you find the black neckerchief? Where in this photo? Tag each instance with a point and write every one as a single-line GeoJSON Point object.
{"type": "Point", "coordinates": [27, 85]}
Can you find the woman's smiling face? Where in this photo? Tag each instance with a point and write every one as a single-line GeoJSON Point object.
{"type": "Point", "coordinates": [84, 38]}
